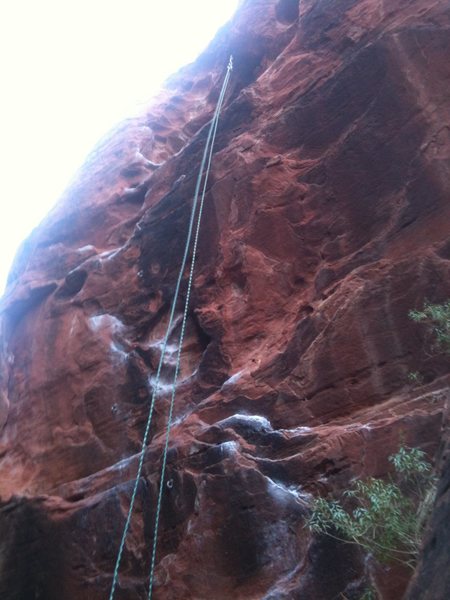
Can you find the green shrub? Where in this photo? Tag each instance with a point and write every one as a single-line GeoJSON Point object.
{"type": "Point", "coordinates": [386, 518]}
{"type": "Point", "coordinates": [415, 377]}
{"type": "Point", "coordinates": [437, 318]}
{"type": "Point", "coordinates": [369, 594]}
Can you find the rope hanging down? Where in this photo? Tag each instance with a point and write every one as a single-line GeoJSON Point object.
{"type": "Point", "coordinates": [206, 160]}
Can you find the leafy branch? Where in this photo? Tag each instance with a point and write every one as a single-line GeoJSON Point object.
{"type": "Point", "coordinates": [437, 319]}
{"type": "Point", "coordinates": [388, 517]}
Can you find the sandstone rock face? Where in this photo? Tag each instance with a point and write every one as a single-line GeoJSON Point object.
{"type": "Point", "coordinates": [432, 576]}
{"type": "Point", "coordinates": [326, 220]}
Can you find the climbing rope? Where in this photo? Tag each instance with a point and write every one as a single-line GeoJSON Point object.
{"type": "Point", "coordinates": [206, 160]}
{"type": "Point", "coordinates": [214, 125]}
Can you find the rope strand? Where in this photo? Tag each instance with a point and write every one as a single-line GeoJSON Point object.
{"type": "Point", "coordinates": [208, 146]}
{"type": "Point", "coordinates": [214, 125]}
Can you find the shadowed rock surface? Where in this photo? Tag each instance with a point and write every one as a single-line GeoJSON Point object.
{"type": "Point", "coordinates": [326, 220]}
{"type": "Point", "coordinates": [432, 577]}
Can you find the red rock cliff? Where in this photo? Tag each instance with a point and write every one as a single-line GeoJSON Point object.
{"type": "Point", "coordinates": [326, 220]}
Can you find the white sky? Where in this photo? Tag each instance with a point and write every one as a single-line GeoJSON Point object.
{"type": "Point", "coordinates": [69, 70]}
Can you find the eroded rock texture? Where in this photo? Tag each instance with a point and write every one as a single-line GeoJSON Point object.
{"type": "Point", "coordinates": [326, 220]}
{"type": "Point", "coordinates": [432, 576]}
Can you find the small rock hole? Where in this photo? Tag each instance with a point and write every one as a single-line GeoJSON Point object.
{"type": "Point", "coordinates": [73, 283]}
{"type": "Point", "coordinates": [287, 11]}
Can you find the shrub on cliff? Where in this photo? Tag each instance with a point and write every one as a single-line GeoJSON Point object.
{"type": "Point", "coordinates": [385, 518]}
{"type": "Point", "coordinates": [437, 318]}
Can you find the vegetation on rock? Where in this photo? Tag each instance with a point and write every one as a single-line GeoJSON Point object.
{"type": "Point", "coordinates": [437, 319]}
{"type": "Point", "coordinates": [385, 518]}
